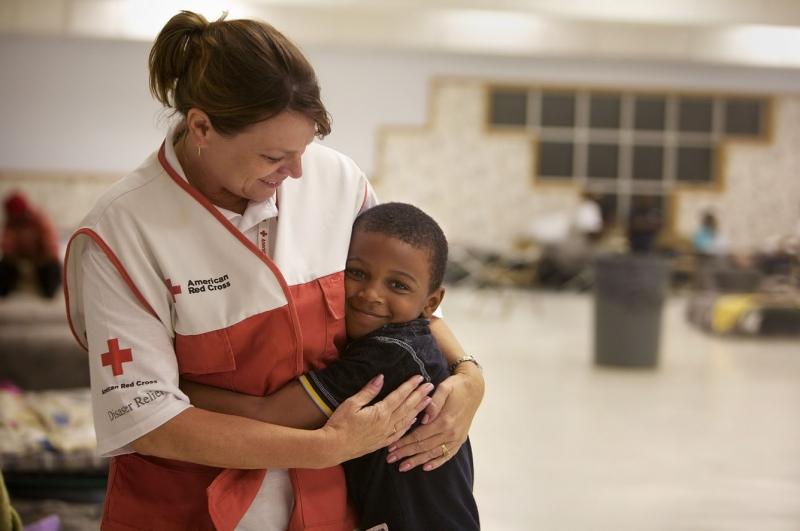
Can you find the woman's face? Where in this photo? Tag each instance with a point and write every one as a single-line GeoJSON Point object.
{"type": "Point", "coordinates": [251, 165]}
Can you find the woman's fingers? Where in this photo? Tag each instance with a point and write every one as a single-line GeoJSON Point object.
{"type": "Point", "coordinates": [404, 395]}
{"type": "Point", "coordinates": [356, 428]}
{"type": "Point", "coordinates": [421, 440]}
{"type": "Point", "coordinates": [392, 416]}
{"type": "Point", "coordinates": [433, 464]}
{"type": "Point", "coordinates": [449, 426]}
{"type": "Point", "coordinates": [368, 392]}
{"type": "Point", "coordinates": [443, 428]}
{"type": "Point", "coordinates": [435, 407]}
{"type": "Point", "coordinates": [404, 404]}
{"type": "Point", "coordinates": [431, 453]}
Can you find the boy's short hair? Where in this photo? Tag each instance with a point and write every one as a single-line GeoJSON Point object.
{"type": "Point", "coordinates": [411, 225]}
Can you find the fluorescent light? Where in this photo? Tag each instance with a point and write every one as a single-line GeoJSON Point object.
{"type": "Point", "coordinates": [143, 19]}
{"type": "Point", "coordinates": [471, 29]}
{"type": "Point", "coordinates": [764, 45]}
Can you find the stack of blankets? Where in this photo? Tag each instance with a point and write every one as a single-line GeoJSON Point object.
{"type": "Point", "coordinates": [47, 430]}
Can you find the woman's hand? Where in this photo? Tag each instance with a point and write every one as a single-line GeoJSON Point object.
{"type": "Point", "coordinates": [446, 422]}
{"type": "Point", "coordinates": [356, 429]}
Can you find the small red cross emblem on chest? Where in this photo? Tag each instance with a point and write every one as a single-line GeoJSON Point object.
{"type": "Point", "coordinates": [116, 357]}
{"type": "Point", "coordinates": [173, 290]}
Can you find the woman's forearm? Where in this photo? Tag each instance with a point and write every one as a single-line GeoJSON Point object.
{"type": "Point", "coordinates": [209, 438]}
{"type": "Point", "coordinates": [453, 351]}
{"type": "Point", "coordinates": [446, 340]}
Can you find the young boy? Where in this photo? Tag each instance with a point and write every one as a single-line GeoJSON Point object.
{"type": "Point", "coordinates": [393, 278]}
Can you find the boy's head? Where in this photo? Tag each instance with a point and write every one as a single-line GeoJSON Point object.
{"type": "Point", "coordinates": [395, 268]}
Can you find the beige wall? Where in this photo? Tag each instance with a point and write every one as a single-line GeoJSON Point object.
{"type": "Point", "coordinates": [480, 184]}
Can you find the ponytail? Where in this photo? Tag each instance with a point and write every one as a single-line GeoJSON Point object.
{"type": "Point", "coordinates": [172, 53]}
{"type": "Point", "coordinates": [238, 72]}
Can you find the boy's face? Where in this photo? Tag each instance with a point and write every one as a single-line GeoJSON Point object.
{"type": "Point", "coordinates": [386, 281]}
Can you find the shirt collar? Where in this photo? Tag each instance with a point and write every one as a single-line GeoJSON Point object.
{"type": "Point", "coordinates": [254, 213]}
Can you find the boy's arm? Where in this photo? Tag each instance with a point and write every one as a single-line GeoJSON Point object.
{"type": "Point", "coordinates": [289, 406]}
{"type": "Point", "coordinates": [293, 406]}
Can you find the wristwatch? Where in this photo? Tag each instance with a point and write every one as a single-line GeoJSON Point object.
{"type": "Point", "coordinates": [463, 359]}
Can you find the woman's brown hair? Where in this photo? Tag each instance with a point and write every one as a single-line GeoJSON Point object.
{"type": "Point", "coordinates": [239, 72]}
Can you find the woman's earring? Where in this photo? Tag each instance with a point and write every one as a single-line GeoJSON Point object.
{"type": "Point", "coordinates": [198, 151]}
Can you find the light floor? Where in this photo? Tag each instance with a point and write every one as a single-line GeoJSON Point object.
{"type": "Point", "coordinates": [708, 441]}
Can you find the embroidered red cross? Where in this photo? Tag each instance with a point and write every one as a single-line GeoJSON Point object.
{"type": "Point", "coordinates": [173, 290]}
{"type": "Point", "coordinates": [116, 357]}
{"type": "Point", "coordinates": [264, 234]}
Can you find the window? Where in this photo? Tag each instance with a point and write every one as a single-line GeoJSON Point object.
{"type": "Point", "coordinates": [744, 117]}
{"type": "Point", "coordinates": [650, 113]}
{"type": "Point", "coordinates": [509, 107]}
{"type": "Point", "coordinates": [603, 161]}
{"type": "Point", "coordinates": [558, 109]}
{"type": "Point", "coordinates": [604, 111]}
{"type": "Point", "coordinates": [695, 164]}
{"type": "Point", "coordinates": [622, 144]}
{"type": "Point", "coordinates": [555, 159]}
{"type": "Point", "coordinates": [648, 163]}
{"type": "Point", "coordinates": [694, 115]}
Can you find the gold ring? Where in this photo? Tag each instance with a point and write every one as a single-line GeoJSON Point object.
{"type": "Point", "coordinates": [445, 451]}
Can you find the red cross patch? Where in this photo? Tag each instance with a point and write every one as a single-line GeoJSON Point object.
{"type": "Point", "coordinates": [173, 290]}
{"type": "Point", "coordinates": [116, 357]}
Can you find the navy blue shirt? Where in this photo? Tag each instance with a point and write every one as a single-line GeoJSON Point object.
{"type": "Point", "coordinates": [406, 501]}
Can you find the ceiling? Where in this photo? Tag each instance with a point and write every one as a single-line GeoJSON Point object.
{"type": "Point", "coordinates": [740, 32]}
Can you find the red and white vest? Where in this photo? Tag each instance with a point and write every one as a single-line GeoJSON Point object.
{"type": "Point", "coordinates": [240, 321]}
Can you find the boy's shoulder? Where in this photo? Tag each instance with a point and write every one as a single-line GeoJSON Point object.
{"type": "Point", "coordinates": [411, 332]}
{"type": "Point", "coordinates": [410, 341]}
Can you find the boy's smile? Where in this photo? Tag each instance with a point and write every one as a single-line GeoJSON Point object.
{"type": "Point", "coordinates": [386, 281]}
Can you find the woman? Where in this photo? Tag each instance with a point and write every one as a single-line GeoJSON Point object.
{"type": "Point", "coordinates": [208, 263]}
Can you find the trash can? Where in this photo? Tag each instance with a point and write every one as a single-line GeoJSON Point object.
{"type": "Point", "coordinates": [629, 293]}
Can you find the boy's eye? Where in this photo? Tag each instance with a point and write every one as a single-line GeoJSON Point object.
{"type": "Point", "coordinates": [355, 274]}
{"type": "Point", "coordinates": [396, 284]}
{"type": "Point", "coordinates": [272, 159]}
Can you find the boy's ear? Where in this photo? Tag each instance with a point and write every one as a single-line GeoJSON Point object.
{"type": "Point", "coordinates": [433, 302]}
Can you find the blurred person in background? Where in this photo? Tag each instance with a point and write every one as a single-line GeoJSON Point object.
{"type": "Point", "coordinates": [644, 224]}
{"type": "Point", "coordinates": [29, 244]}
{"type": "Point", "coordinates": [707, 241]}
{"type": "Point", "coordinates": [588, 218]}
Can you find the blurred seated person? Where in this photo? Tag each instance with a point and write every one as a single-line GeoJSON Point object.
{"type": "Point", "coordinates": [29, 243]}
{"type": "Point", "coordinates": [644, 224]}
{"type": "Point", "coordinates": [565, 249]}
{"type": "Point", "coordinates": [778, 255]}
{"type": "Point", "coordinates": [588, 219]}
{"type": "Point", "coordinates": [707, 241]}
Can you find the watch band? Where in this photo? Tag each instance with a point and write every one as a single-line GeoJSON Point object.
{"type": "Point", "coordinates": [463, 359]}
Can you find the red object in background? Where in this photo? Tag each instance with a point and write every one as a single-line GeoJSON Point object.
{"type": "Point", "coordinates": [28, 233]}
{"type": "Point", "coordinates": [16, 205]}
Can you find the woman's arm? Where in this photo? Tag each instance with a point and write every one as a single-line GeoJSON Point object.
{"type": "Point", "coordinates": [449, 416]}
{"type": "Point", "coordinates": [289, 406]}
{"type": "Point", "coordinates": [209, 438]}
